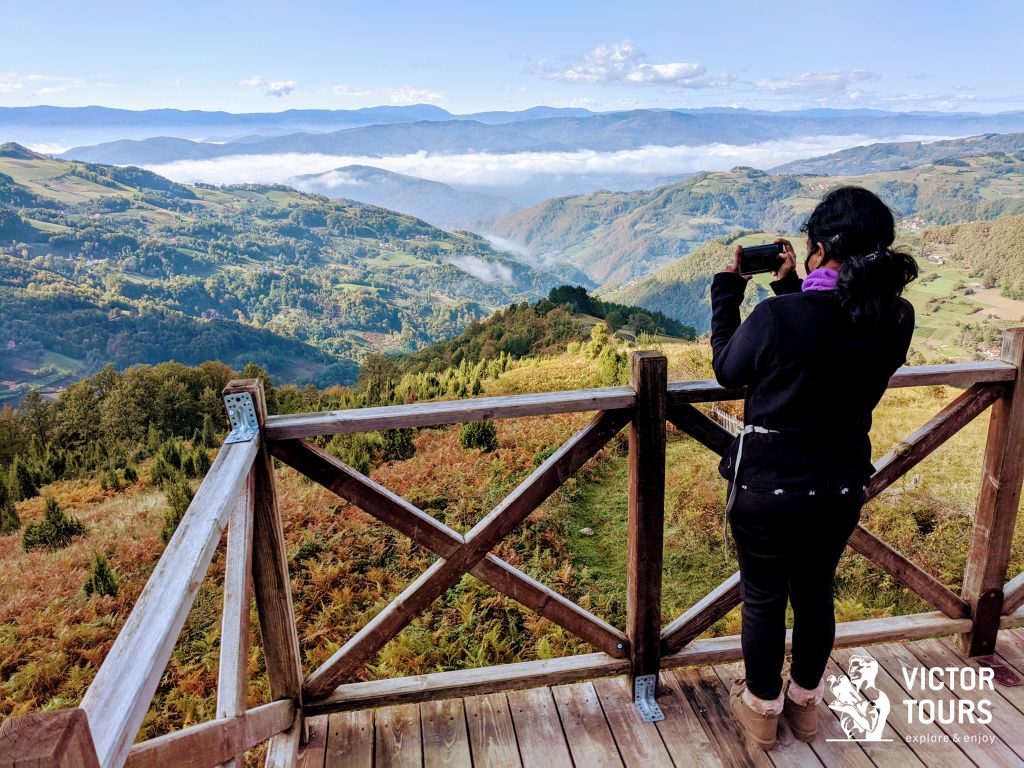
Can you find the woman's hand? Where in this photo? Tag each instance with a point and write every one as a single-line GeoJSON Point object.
{"type": "Point", "coordinates": [733, 265]}
{"type": "Point", "coordinates": [788, 259]}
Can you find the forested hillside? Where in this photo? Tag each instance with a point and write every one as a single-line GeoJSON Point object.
{"type": "Point", "coordinates": [615, 237]}
{"type": "Point", "coordinates": [103, 264]}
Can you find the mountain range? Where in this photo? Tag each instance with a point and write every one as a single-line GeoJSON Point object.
{"type": "Point", "coordinates": [611, 131]}
{"type": "Point", "coordinates": [617, 237]}
{"type": "Point", "coordinates": [101, 263]}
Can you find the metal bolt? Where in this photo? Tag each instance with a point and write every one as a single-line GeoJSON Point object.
{"type": "Point", "coordinates": [618, 645]}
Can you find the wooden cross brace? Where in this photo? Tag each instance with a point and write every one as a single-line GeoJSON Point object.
{"type": "Point", "coordinates": [458, 555]}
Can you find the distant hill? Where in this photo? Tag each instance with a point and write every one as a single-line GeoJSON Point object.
{"type": "Point", "coordinates": [990, 249]}
{"type": "Point", "coordinates": [439, 204]}
{"type": "Point", "coordinates": [606, 131]}
{"type": "Point", "coordinates": [616, 237]}
{"type": "Point", "coordinates": [107, 264]}
{"type": "Point", "coordinates": [904, 154]}
{"type": "Point", "coordinates": [681, 290]}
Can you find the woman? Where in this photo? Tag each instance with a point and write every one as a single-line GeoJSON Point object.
{"type": "Point", "coordinates": [815, 361]}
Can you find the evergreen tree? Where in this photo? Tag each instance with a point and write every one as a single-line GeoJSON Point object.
{"type": "Point", "coordinates": [201, 462]}
{"type": "Point", "coordinates": [481, 435]}
{"type": "Point", "coordinates": [209, 434]}
{"type": "Point", "coordinates": [179, 495]}
{"type": "Point", "coordinates": [9, 520]}
{"type": "Point", "coordinates": [101, 579]}
{"type": "Point", "coordinates": [21, 480]}
{"type": "Point", "coordinates": [54, 531]}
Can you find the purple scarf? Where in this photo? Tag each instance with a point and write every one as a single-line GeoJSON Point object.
{"type": "Point", "coordinates": [820, 279]}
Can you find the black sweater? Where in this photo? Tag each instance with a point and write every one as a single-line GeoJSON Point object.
{"type": "Point", "coordinates": [809, 374]}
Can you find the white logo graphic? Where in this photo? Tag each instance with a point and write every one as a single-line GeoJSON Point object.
{"type": "Point", "coordinates": [861, 706]}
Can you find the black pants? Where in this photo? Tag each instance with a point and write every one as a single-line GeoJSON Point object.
{"type": "Point", "coordinates": [788, 546]}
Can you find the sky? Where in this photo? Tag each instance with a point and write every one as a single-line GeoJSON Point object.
{"type": "Point", "coordinates": [473, 56]}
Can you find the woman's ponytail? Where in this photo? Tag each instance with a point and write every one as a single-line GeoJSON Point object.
{"type": "Point", "coordinates": [857, 230]}
{"type": "Point", "coordinates": [869, 284]}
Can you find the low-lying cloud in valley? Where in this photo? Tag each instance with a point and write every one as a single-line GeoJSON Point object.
{"type": "Point", "coordinates": [535, 174]}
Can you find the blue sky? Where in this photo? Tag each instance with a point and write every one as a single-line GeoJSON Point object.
{"type": "Point", "coordinates": [470, 56]}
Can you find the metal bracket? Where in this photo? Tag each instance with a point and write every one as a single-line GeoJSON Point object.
{"type": "Point", "coordinates": [242, 413]}
{"type": "Point", "coordinates": [644, 687]}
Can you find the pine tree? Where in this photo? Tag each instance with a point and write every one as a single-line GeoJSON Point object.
{"type": "Point", "coordinates": [201, 461]}
{"type": "Point", "coordinates": [101, 579]}
{"type": "Point", "coordinates": [153, 438]}
{"type": "Point", "coordinates": [179, 495]}
{"type": "Point", "coordinates": [9, 520]}
{"type": "Point", "coordinates": [21, 481]}
{"type": "Point", "coordinates": [54, 531]}
{"type": "Point", "coordinates": [209, 434]}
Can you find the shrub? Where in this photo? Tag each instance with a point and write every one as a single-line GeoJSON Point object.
{"type": "Point", "coordinates": [54, 531]}
{"type": "Point", "coordinates": [482, 435]}
{"type": "Point", "coordinates": [101, 579]}
{"type": "Point", "coordinates": [358, 450]}
{"type": "Point", "coordinates": [201, 462]}
{"type": "Point", "coordinates": [208, 437]}
{"type": "Point", "coordinates": [110, 481]}
{"type": "Point", "coordinates": [179, 495]}
{"type": "Point", "coordinates": [397, 445]}
{"type": "Point", "coordinates": [9, 520]}
{"type": "Point", "coordinates": [130, 474]}
{"type": "Point", "coordinates": [22, 482]}
{"type": "Point", "coordinates": [161, 471]}
{"type": "Point", "coordinates": [170, 452]}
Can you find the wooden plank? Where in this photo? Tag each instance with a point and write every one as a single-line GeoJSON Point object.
{"type": "Point", "coordinates": [397, 737]}
{"type": "Point", "coordinates": [314, 753]}
{"type": "Point", "coordinates": [717, 650]}
{"type": "Point", "coordinates": [995, 515]}
{"type": "Point", "coordinates": [538, 729]}
{"type": "Point", "coordinates": [681, 730]}
{"type": "Point", "coordinates": [1012, 620]}
{"type": "Point", "coordinates": [908, 573]}
{"type": "Point", "coordinates": [788, 752]}
{"type": "Point", "coordinates": [923, 441]}
{"type": "Point", "coordinates": [483, 537]}
{"type": "Point", "coordinates": [465, 682]}
{"type": "Point", "coordinates": [705, 612]}
{"type": "Point", "coordinates": [709, 433]}
{"type": "Point", "coordinates": [989, 750]}
{"type": "Point", "coordinates": [439, 412]}
{"type": "Point", "coordinates": [445, 738]}
{"type": "Point", "coordinates": [892, 752]}
{"type": "Point", "coordinates": [350, 740]}
{"type": "Point", "coordinates": [123, 688]}
{"type": "Point", "coordinates": [645, 544]}
{"type": "Point", "coordinates": [710, 701]}
{"type": "Point", "coordinates": [640, 744]}
{"type": "Point", "coordinates": [1006, 722]}
{"type": "Point", "coordinates": [586, 730]}
{"type": "Point", "coordinates": [931, 749]}
{"type": "Point", "coordinates": [270, 581]}
{"type": "Point", "coordinates": [429, 532]}
{"type": "Point", "coordinates": [1013, 593]}
{"type": "Point", "coordinates": [47, 740]}
{"type": "Point", "coordinates": [233, 674]}
{"type": "Point", "coordinates": [492, 736]}
{"type": "Point", "coordinates": [283, 750]}
{"type": "Point", "coordinates": [216, 741]}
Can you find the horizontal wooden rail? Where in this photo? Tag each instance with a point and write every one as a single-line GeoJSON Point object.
{"type": "Point", "coordinates": [568, 669]}
{"type": "Point", "coordinates": [123, 688]}
{"type": "Point", "coordinates": [705, 612]}
{"type": "Point", "coordinates": [431, 533]}
{"type": "Point", "coordinates": [214, 742]}
{"type": "Point", "coordinates": [439, 412]}
{"type": "Point", "coordinates": [1013, 593]}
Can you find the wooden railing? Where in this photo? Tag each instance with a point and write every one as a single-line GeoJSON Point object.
{"type": "Point", "coordinates": [239, 494]}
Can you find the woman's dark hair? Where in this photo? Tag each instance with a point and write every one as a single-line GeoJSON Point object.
{"type": "Point", "coordinates": [857, 229]}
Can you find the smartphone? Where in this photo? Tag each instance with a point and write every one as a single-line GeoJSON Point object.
{"type": "Point", "coordinates": [760, 258]}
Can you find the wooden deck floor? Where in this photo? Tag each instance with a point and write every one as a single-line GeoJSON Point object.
{"type": "Point", "coordinates": [593, 724]}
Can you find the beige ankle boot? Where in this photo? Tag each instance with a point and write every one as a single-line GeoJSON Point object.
{"type": "Point", "coordinates": [803, 718]}
{"type": "Point", "coordinates": [759, 728]}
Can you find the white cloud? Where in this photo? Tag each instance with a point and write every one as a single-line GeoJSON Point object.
{"type": "Point", "coordinates": [275, 88]}
{"type": "Point", "coordinates": [485, 169]}
{"type": "Point", "coordinates": [487, 271]}
{"type": "Point", "coordinates": [348, 90]}
{"type": "Point", "coordinates": [832, 81]}
{"type": "Point", "coordinates": [508, 246]}
{"type": "Point", "coordinates": [13, 82]}
{"type": "Point", "coordinates": [624, 64]}
{"type": "Point", "coordinates": [406, 96]}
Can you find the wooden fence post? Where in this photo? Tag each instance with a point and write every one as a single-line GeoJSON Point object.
{"type": "Point", "coordinates": [48, 740]}
{"type": "Point", "coordinates": [996, 513]}
{"type": "Point", "coordinates": [270, 581]}
{"type": "Point", "coordinates": [649, 377]}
